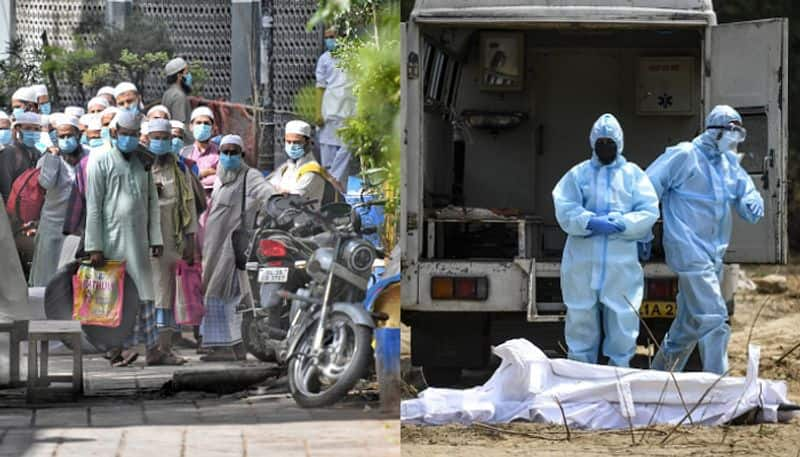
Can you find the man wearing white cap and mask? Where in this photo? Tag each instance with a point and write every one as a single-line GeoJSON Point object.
{"type": "Point", "coordinates": [300, 174]}
{"type": "Point", "coordinates": [123, 223]}
{"type": "Point", "coordinates": [127, 97]}
{"type": "Point", "coordinates": [42, 98]}
{"type": "Point", "coordinates": [203, 152]}
{"type": "Point", "coordinates": [178, 227]}
{"type": "Point", "coordinates": [57, 176]}
{"type": "Point", "coordinates": [5, 130]}
{"type": "Point", "coordinates": [180, 86]}
{"type": "Point", "coordinates": [225, 285]}
{"type": "Point", "coordinates": [23, 154]}
{"type": "Point", "coordinates": [75, 111]}
{"type": "Point", "coordinates": [107, 92]}
{"type": "Point", "coordinates": [24, 100]}
{"type": "Point", "coordinates": [97, 105]}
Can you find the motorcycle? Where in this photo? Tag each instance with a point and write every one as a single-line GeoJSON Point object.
{"type": "Point", "coordinates": [327, 346]}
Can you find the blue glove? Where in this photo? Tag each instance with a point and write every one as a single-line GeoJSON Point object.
{"type": "Point", "coordinates": [756, 207]}
{"type": "Point", "coordinates": [605, 225]}
{"type": "Point", "coordinates": [645, 250]}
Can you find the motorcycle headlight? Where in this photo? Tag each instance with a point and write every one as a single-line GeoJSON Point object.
{"type": "Point", "coordinates": [358, 255]}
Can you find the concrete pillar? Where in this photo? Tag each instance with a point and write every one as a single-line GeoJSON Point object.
{"type": "Point", "coordinates": [245, 48]}
{"type": "Point", "coordinates": [117, 11]}
{"type": "Point", "coordinates": [8, 25]}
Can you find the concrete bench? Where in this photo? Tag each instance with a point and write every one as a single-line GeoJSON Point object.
{"type": "Point", "coordinates": [17, 333]}
{"type": "Point", "coordinates": [40, 333]}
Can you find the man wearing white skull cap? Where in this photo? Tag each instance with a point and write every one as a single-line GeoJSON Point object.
{"type": "Point", "coordinates": [301, 174]}
{"type": "Point", "coordinates": [179, 81]}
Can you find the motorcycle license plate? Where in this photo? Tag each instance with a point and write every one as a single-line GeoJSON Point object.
{"type": "Point", "coordinates": [662, 309]}
{"type": "Point", "coordinates": [273, 274]}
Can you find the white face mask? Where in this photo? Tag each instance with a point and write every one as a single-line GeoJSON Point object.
{"type": "Point", "coordinates": [729, 141]}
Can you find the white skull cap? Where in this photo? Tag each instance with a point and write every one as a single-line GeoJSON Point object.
{"type": "Point", "coordinates": [76, 111]}
{"type": "Point", "coordinates": [158, 125]}
{"type": "Point", "coordinates": [124, 87]}
{"type": "Point", "coordinates": [159, 109]}
{"type": "Point", "coordinates": [25, 94]}
{"type": "Point", "coordinates": [27, 118]}
{"type": "Point", "coordinates": [175, 65]}
{"type": "Point", "coordinates": [202, 111]}
{"type": "Point", "coordinates": [102, 101]}
{"type": "Point", "coordinates": [298, 127]}
{"type": "Point", "coordinates": [232, 139]}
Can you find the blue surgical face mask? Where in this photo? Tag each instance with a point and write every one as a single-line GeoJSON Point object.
{"type": "Point", "coordinates": [187, 79]}
{"type": "Point", "coordinates": [159, 147]}
{"type": "Point", "coordinates": [230, 162]}
{"type": "Point", "coordinates": [295, 151]}
{"type": "Point", "coordinates": [177, 145]}
{"type": "Point", "coordinates": [17, 112]}
{"type": "Point", "coordinates": [96, 142]}
{"type": "Point", "coordinates": [134, 109]}
{"type": "Point", "coordinates": [330, 44]}
{"type": "Point", "coordinates": [5, 136]}
{"type": "Point", "coordinates": [127, 143]}
{"type": "Point", "coordinates": [84, 139]}
{"type": "Point", "coordinates": [202, 132]}
{"type": "Point", "coordinates": [68, 145]}
{"type": "Point", "coordinates": [29, 139]}
{"type": "Point", "coordinates": [44, 108]}
{"type": "Point", "coordinates": [53, 136]}
{"type": "Point", "coordinates": [105, 134]}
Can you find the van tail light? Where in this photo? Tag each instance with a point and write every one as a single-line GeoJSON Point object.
{"type": "Point", "coordinates": [271, 249]}
{"type": "Point", "coordinates": [449, 288]}
{"type": "Point", "coordinates": [662, 289]}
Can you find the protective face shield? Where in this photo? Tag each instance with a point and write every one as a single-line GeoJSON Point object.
{"type": "Point", "coordinates": [127, 143]}
{"type": "Point", "coordinates": [5, 136]}
{"type": "Point", "coordinates": [68, 145]}
{"type": "Point", "coordinates": [202, 132]}
{"type": "Point", "coordinates": [294, 150]}
{"type": "Point", "coordinates": [45, 108]}
{"type": "Point", "coordinates": [330, 44]}
{"type": "Point", "coordinates": [230, 162]}
{"type": "Point", "coordinates": [29, 139]}
{"type": "Point", "coordinates": [606, 150]}
{"type": "Point", "coordinates": [159, 146]}
{"type": "Point", "coordinates": [177, 145]}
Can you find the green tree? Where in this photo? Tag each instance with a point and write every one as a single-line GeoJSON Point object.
{"type": "Point", "coordinates": [20, 68]}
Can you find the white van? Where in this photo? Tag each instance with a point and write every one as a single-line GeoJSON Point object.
{"type": "Point", "coordinates": [499, 97]}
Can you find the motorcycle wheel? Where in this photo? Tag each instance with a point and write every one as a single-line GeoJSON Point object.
{"type": "Point", "coordinates": [343, 361]}
{"type": "Point", "coordinates": [253, 339]}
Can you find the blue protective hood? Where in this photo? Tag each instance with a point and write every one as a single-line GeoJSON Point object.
{"type": "Point", "coordinates": [607, 126]}
{"type": "Point", "coordinates": [719, 116]}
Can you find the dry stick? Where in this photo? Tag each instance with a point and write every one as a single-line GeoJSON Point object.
{"type": "Point", "coordinates": [702, 397]}
{"type": "Point", "coordinates": [514, 432]}
{"type": "Point", "coordinates": [628, 417]}
{"type": "Point", "coordinates": [655, 411]}
{"type": "Point", "coordinates": [786, 354]}
{"type": "Point", "coordinates": [563, 416]}
{"type": "Point", "coordinates": [658, 347]}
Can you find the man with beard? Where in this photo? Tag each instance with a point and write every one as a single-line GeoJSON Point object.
{"type": "Point", "coordinates": [180, 86]}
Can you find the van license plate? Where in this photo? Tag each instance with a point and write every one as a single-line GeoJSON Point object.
{"type": "Point", "coordinates": [658, 309]}
{"type": "Point", "coordinates": [273, 275]}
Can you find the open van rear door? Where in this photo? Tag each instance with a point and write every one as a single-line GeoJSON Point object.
{"type": "Point", "coordinates": [749, 64]}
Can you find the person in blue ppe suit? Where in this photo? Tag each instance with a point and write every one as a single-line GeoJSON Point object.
{"type": "Point", "coordinates": [697, 183]}
{"type": "Point", "coordinates": [605, 205]}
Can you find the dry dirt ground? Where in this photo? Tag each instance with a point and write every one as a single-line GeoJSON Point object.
{"type": "Point", "coordinates": [776, 330]}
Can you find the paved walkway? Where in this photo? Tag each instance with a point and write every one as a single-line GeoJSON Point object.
{"type": "Point", "coordinates": [123, 415]}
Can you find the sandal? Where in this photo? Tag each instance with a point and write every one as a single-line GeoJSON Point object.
{"type": "Point", "coordinates": [127, 358]}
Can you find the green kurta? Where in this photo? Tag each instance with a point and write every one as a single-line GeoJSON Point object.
{"type": "Point", "coordinates": [122, 215]}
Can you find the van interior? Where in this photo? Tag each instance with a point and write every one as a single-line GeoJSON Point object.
{"type": "Point", "coordinates": [496, 142]}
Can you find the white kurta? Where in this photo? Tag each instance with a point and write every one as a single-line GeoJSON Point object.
{"type": "Point", "coordinates": [122, 215]}
{"type": "Point", "coordinates": [57, 178]}
{"type": "Point", "coordinates": [310, 185]}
